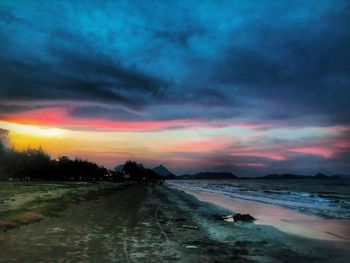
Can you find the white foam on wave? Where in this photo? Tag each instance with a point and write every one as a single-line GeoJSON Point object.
{"type": "Point", "coordinates": [285, 219]}
{"type": "Point", "coordinates": [298, 200]}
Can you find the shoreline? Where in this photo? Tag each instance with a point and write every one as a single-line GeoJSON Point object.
{"type": "Point", "coordinates": [264, 243]}
{"type": "Point", "coordinates": [145, 223]}
{"type": "Point", "coordinates": [285, 219]}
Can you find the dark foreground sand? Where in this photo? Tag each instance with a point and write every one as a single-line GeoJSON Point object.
{"type": "Point", "coordinates": [144, 223]}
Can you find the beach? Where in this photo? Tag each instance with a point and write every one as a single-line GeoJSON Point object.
{"type": "Point", "coordinates": [285, 213]}
{"type": "Point", "coordinates": [152, 223]}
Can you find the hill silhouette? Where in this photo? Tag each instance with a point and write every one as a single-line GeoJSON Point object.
{"type": "Point", "coordinates": [163, 171]}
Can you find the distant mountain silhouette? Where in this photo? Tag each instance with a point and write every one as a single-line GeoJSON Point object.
{"type": "Point", "coordinates": [209, 175]}
{"type": "Point", "coordinates": [282, 176]}
{"type": "Point", "coordinates": [297, 176]}
{"type": "Point", "coordinates": [227, 175]}
{"type": "Point", "coordinates": [163, 171]}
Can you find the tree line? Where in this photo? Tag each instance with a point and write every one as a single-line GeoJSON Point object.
{"type": "Point", "coordinates": [37, 164]}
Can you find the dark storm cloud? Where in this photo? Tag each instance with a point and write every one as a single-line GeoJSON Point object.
{"type": "Point", "coordinates": [290, 69]}
{"type": "Point", "coordinates": [115, 84]}
{"type": "Point", "coordinates": [13, 108]}
{"type": "Point", "coordinates": [179, 37]}
{"type": "Point", "coordinates": [112, 113]}
{"type": "Point", "coordinates": [191, 59]}
{"type": "Point", "coordinates": [80, 77]}
{"type": "Point", "coordinates": [73, 70]}
{"type": "Point", "coordinates": [310, 78]}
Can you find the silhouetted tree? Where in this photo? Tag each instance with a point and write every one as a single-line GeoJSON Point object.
{"type": "Point", "coordinates": [134, 170]}
{"type": "Point", "coordinates": [138, 172]}
{"type": "Point", "coordinates": [36, 164]}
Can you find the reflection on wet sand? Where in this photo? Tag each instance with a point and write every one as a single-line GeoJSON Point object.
{"type": "Point", "coordinates": [287, 220]}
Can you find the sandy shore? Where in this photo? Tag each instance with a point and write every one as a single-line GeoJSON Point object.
{"type": "Point", "coordinates": [143, 223]}
{"type": "Point", "coordinates": [285, 219]}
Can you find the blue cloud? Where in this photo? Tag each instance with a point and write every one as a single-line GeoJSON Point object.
{"type": "Point", "coordinates": [249, 59]}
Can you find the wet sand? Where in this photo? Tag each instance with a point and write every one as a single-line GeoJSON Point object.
{"type": "Point", "coordinates": [286, 220]}
{"type": "Point", "coordinates": [143, 223]}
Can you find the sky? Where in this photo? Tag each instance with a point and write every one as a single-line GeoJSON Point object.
{"type": "Point", "coordinates": [249, 87]}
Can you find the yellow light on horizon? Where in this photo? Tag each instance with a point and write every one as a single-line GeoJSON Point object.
{"type": "Point", "coordinates": [32, 130]}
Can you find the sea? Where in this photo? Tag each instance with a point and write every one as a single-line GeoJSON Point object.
{"type": "Point", "coordinates": [328, 198]}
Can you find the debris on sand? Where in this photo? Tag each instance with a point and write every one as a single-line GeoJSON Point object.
{"type": "Point", "coordinates": [190, 226]}
{"type": "Point", "coordinates": [237, 217]}
{"type": "Point", "coordinates": [243, 217]}
{"type": "Point", "coordinates": [191, 247]}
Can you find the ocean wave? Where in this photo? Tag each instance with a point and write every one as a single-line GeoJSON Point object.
{"type": "Point", "coordinates": [330, 204]}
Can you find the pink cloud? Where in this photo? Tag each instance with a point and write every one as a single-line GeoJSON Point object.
{"type": "Point", "coordinates": [194, 146]}
{"type": "Point", "coordinates": [327, 148]}
{"type": "Point", "coordinates": [324, 152]}
{"type": "Point", "coordinates": [272, 156]}
{"type": "Point", "coordinates": [253, 126]}
{"type": "Point", "coordinates": [59, 117]}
